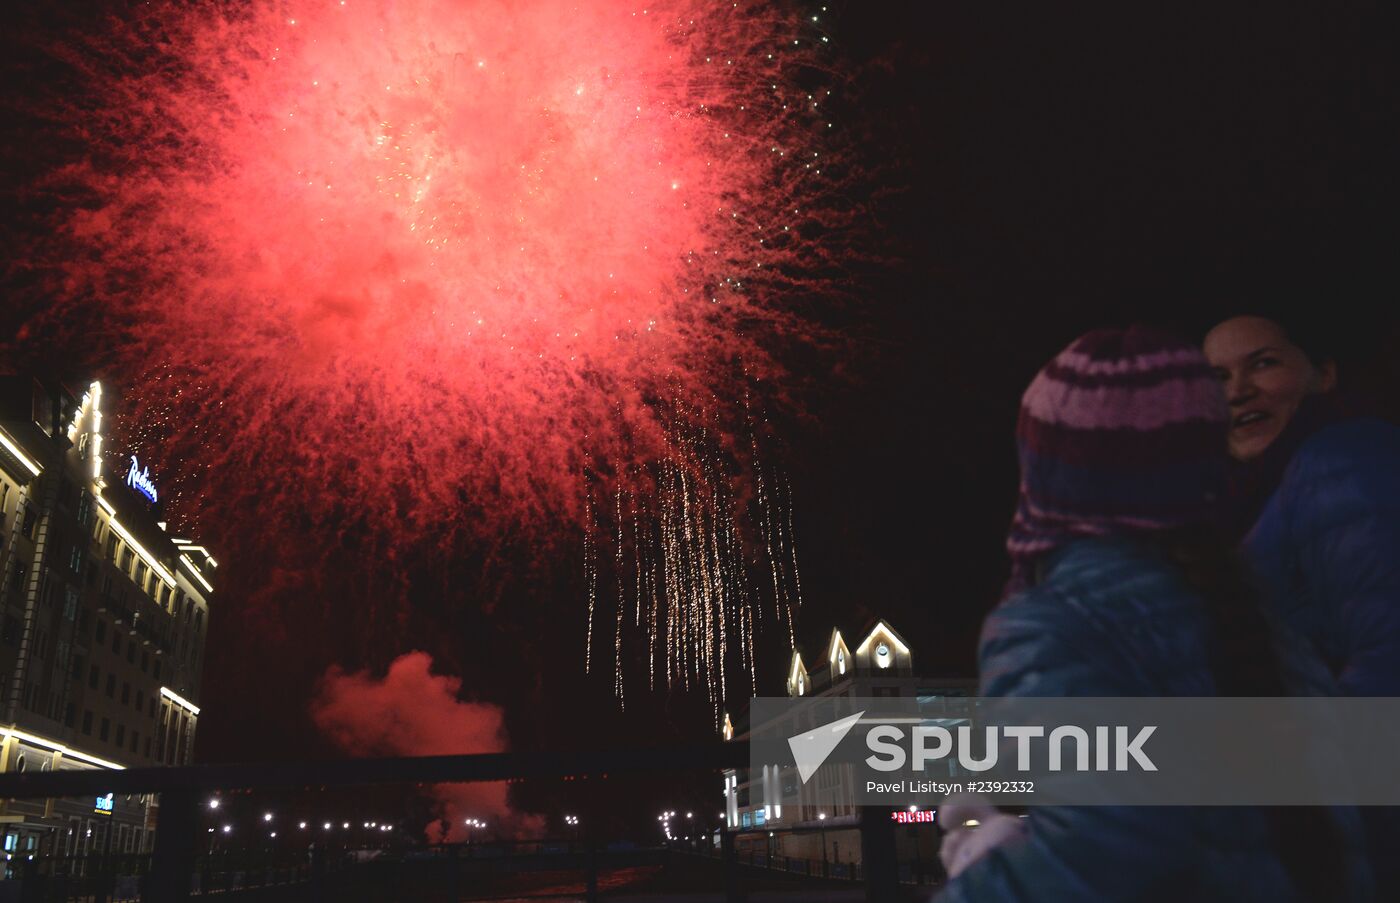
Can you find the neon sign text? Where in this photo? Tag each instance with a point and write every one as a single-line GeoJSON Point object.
{"type": "Point", "coordinates": [139, 478]}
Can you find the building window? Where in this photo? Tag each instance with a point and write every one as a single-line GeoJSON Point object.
{"type": "Point", "coordinates": [75, 559]}
{"type": "Point", "coordinates": [140, 700]}
{"type": "Point", "coordinates": [126, 693]}
{"type": "Point", "coordinates": [93, 675]}
{"type": "Point", "coordinates": [135, 740]}
{"type": "Point", "coordinates": [116, 641]}
{"type": "Point", "coordinates": [9, 634]}
{"type": "Point", "coordinates": [105, 730]}
{"type": "Point", "coordinates": [70, 713]}
{"type": "Point", "coordinates": [121, 734]}
{"type": "Point", "coordinates": [131, 652]}
{"type": "Point", "coordinates": [156, 670]}
{"type": "Point", "coordinates": [145, 662]}
{"type": "Point", "coordinates": [111, 686]}
{"type": "Point", "coordinates": [99, 631]}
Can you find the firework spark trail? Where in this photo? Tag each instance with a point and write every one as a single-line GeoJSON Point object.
{"type": "Point", "coordinates": [705, 584]}
{"type": "Point", "coordinates": [590, 566]}
{"type": "Point", "coordinates": [464, 246]}
{"type": "Point", "coordinates": [621, 604]}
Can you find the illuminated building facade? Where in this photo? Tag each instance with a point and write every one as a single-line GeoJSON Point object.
{"type": "Point", "coordinates": [103, 617]}
{"type": "Point", "coordinates": [880, 665]}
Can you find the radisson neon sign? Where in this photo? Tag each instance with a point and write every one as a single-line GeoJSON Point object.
{"type": "Point", "coordinates": [139, 478]}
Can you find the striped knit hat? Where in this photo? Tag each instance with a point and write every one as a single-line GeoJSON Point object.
{"type": "Point", "coordinates": [1123, 432]}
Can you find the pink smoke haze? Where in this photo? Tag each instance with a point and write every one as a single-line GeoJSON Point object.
{"type": "Point", "coordinates": [413, 712]}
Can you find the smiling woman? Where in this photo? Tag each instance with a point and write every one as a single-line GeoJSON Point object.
{"type": "Point", "coordinates": [1317, 495]}
{"type": "Point", "coordinates": [1266, 376]}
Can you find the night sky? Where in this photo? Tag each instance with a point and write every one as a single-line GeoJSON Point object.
{"type": "Point", "coordinates": [1037, 170]}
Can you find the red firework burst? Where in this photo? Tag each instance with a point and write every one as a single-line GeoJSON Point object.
{"type": "Point", "coordinates": [440, 257]}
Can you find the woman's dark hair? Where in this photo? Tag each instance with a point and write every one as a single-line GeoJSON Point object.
{"type": "Point", "coordinates": [1244, 662]}
{"type": "Point", "coordinates": [1314, 336]}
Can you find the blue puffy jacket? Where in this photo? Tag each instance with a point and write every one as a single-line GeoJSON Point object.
{"type": "Point", "coordinates": [1112, 617]}
{"type": "Point", "coordinates": [1327, 546]}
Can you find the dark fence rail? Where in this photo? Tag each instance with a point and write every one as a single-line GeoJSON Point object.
{"type": "Point", "coordinates": [352, 772]}
{"type": "Point", "coordinates": [174, 870]}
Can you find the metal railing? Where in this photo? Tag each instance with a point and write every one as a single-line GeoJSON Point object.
{"type": "Point", "coordinates": [173, 872]}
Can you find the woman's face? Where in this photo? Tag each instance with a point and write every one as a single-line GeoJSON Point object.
{"type": "Point", "coordinates": [1266, 378]}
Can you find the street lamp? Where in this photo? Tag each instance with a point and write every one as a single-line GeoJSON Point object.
{"type": "Point", "coordinates": [214, 803]}
{"type": "Point", "coordinates": [267, 816]}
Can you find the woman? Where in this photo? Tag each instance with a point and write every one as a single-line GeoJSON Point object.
{"type": "Point", "coordinates": [1118, 589]}
{"type": "Point", "coordinates": [1317, 490]}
